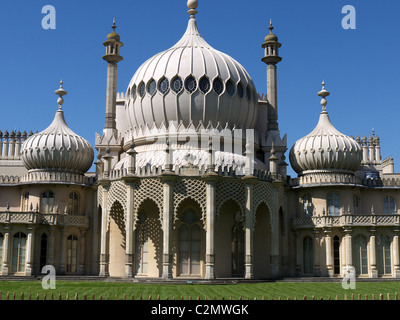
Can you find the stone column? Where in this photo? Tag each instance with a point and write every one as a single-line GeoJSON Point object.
{"type": "Point", "coordinates": [103, 240]}
{"type": "Point", "coordinates": [299, 250]}
{"type": "Point", "coordinates": [372, 254]}
{"type": "Point", "coordinates": [275, 234]}
{"type": "Point", "coordinates": [348, 250]}
{"type": "Point", "coordinates": [129, 249]}
{"type": "Point", "coordinates": [7, 245]}
{"type": "Point", "coordinates": [396, 262]}
{"type": "Point", "coordinates": [62, 251]}
{"type": "Point", "coordinates": [317, 271]}
{"type": "Point", "coordinates": [50, 247]}
{"type": "Point", "coordinates": [168, 179]}
{"type": "Point", "coordinates": [30, 245]}
{"type": "Point", "coordinates": [82, 244]}
{"type": "Point", "coordinates": [249, 180]}
{"type": "Point", "coordinates": [210, 179]}
{"type": "Point", "coordinates": [328, 248]}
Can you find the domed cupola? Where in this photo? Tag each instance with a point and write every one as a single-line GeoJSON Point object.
{"type": "Point", "coordinates": [57, 148]}
{"type": "Point", "coordinates": [191, 83]}
{"type": "Point", "coordinates": [325, 154]}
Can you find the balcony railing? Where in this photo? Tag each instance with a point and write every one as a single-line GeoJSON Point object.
{"type": "Point", "coordinates": [347, 220]}
{"type": "Point", "coordinates": [44, 219]}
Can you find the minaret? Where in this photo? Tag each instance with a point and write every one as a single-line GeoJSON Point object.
{"type": "Point", "coordinates": [272, 134]}
{"type": "Point", "coordinates": [113, 45]}
{"type": "Point", "coordinates": [271, 58]}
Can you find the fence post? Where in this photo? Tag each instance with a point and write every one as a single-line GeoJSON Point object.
{"type": "Point", "coordinates": [76, 295]}
{"type": "Point", "coordinates": [1, 293]}
{"type": "Point", "coordinates": [44, 297]}
{"type": "Point", "coordinates": [22, 296]}
{"type": "Point", "coordinates": [124, 296]}
{"type": "Point", "coordinates": [395, 296]}
{"type": "Point", "coordinates": [29, 297]}
{"type": "Point", "coordinates": [84, 296]}
{"type": "Point", "coordinates": [388, 296]}
{"type": "Point", "coordinates": [14, 295]}
{"type": "Point", "coordinates": [101, 297]}
{"type": "Point", "coordinates": [366, 296]}
{"type": "Point", "coordinates": [67, 296]}
{"type": "Point", "coordinates": [373, 296]}
{"type": "Point", "coordinates": [93, 297]}
{"type": "Point", "coordinates": [59, 296]}
{"type": "Point", "coordinates": [305, 298]}
{"type": "Point", "coordinates": [133, 296]}
{"type": "Point", "coordinates": [380, 296]}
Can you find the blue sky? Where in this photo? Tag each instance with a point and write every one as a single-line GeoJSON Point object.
{"type": "Point", "coordinates": [360, 67]}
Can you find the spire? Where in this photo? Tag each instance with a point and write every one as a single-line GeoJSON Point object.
{"type": "Point", "coordinates": [270, 26]}
{"type": "Point", "coordinates": [323, 93]}
{"type": "Point", "coordinates": [192, 5]}
{"type": "Point", "coordinates": [60, 92]}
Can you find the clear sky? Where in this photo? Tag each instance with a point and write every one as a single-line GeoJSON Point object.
{"type": "Point", "coordinates": [360, 66]}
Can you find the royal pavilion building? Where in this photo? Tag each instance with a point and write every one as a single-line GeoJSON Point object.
{"type": "Point", "coordinates": [191, 181]}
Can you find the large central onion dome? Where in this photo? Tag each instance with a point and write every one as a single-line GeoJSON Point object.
{"type": "Point", "coordinates": [191, 82]}
{"type": "Point", "coordinates": [325, 149]}
{"type": "Point", "coordinates": [57, 148]}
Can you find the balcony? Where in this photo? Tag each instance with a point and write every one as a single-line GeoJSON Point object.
{"type": "Point", "coordinates": [347, 220]}
{"type": "Point", "coordinates": [35, 218]}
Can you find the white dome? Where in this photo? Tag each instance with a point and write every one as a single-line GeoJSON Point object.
{"type": "Point", "coordinates": [191, 82]}
{"type": "Point", "coordinates": [57, 148]}
{"type": "Point", "coordinates": [325, 149]}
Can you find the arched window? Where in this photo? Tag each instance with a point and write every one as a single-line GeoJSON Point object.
{"type": "Point", "coordinates": [356, 204]}
{"type": "Point", "coordinates": [308, 255]}
{"type": "Point", "coordinates": [142, 244]}
{"type": "Point", "coordinates": [47, 201]}
{"type": "Point", "coordinates": [1, 249]}
{"type": "Point", "coordinates": [72, 254]}
{"type": "Point", "coordinates": [43, 250]}
{"type": "Point", "coordinates": [189, 244]}
{"type": "Point", "coordinates": [383, 256]}
{"type": "Point", "coordinates": [73, 203]}
{"type": "Point", "coordinates": [307, 205]}
{"type": "Point", "coordinates": [360, 254]}
{"type": "Point", "coordinates": [18, 252]}
{"type": "Point", "coordinates": [336, 255]}
{"type": "Point", "coordinates": [238, 246]}
{"type": "Point", "coordinates": [389, 205]}
{"type": "Point", "coordinates": [25, 202]}
{"type": "Point", "coordinates": [333, 204]}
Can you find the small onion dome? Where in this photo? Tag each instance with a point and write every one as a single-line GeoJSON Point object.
{"type": "Point", "coordinates": [325, 148]}
{"type": "Point", "coordinates": [57, 148]}
{"type": "Point", "coordinates": [113, 35]}
{"type": "Point", "coordinates": [271, 37]}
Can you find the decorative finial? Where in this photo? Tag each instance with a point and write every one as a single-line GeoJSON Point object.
{"type": "Point", "coordinates": [270, 26]}
{"type": "Point", "coordinates": [60, 92]}
{"type": "Point", "coordinates": [192, 5]}
{"type": "Point", "coordinates": [114, 26]}
{"type": "Point", "coordinates": [323, 93]}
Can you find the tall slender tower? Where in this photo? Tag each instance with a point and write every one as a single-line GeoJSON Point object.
{"type": "Point", "coordinates": [272, 58]}
{"type": "Point", "coordinates": [273, 139]}
{"type": "Point", "coordinates": [112, 56]}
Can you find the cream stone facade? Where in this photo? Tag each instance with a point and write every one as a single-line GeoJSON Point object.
{"type": "Point", "coordinates": [191, 182]}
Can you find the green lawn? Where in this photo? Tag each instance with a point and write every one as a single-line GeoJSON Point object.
{"type": "Point", "coordinates": [193, 291]}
